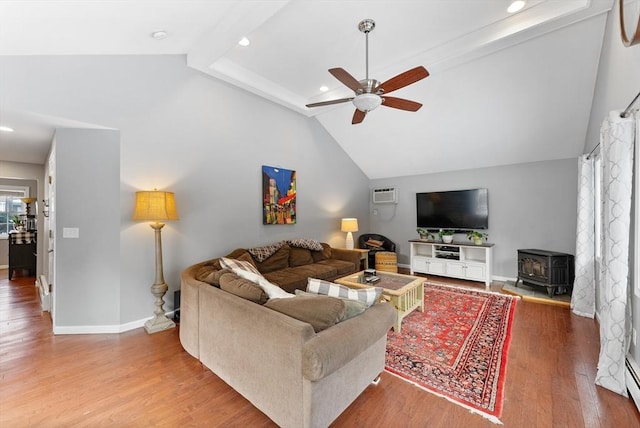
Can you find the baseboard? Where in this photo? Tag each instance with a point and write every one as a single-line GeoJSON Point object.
{"type": "Point", "coordinates": [103, 329]}
{"type": "Point", "coordinates": [4, 266]}
{"type": "Point", "coordinates": [632, 379]}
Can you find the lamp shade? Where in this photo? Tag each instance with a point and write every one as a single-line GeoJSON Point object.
{"type": "Point", "coordinates": [155, 206]}
{"type": "Point", "coordinates": [349, 225]}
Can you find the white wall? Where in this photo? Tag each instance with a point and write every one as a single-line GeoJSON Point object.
{"type": "Point", "coordinates": [531, 205]}
{"type": "Point", "coordinates": [200, 138]}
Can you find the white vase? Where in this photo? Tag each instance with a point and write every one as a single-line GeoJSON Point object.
{"type": "Point", "coordinates": [447, 239]}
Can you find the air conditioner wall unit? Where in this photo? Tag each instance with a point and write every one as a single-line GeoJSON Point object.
{"type": "Point", "coordinates": [387, 195]}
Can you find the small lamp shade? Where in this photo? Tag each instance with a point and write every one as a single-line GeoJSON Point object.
{"type": "Point", "coordinates": [155, 206]}
{"type": "Point", "coordinates": [349, 225]}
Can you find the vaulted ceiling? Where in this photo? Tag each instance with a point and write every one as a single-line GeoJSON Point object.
{"type": "Point", "coordinates": [503, 88]}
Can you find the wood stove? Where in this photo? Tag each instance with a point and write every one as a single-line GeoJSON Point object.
{"type": "Point", "coordinates": [549, 269]}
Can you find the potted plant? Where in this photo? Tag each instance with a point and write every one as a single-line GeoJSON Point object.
{"type": "Point", "coordinates": [424, 234]}
{"type": "Point", "coordinates": [476, 236]}
{"type": "Point", "coordinates": [446, 236]}
{"type": "Point", "coordinates": [17, 223]}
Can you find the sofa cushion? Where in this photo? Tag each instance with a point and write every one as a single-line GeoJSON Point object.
{"type": "Point", "coordinates": [238, 265]}
{"type": "Point", "coordinates": [325, 254]}
{"type": "Point", "coordinates": [299, 257]}
{"type": "Point", "coordinates": [315, 270]}
{"type": "Point", "coordinates": [287, 279]}
{"type": "Point", "coordinates": [321, 313]}
{"type": "Point", "coordinates": [209, 274]}
{"type": "Point", "coordinates": [368, 296]}
{"type": "Point", "coordinates": [243, 288]}
{"type": "Point", "coordinates": [278, 260]}
{"type": "Point", "coordinates": [352, 307]}
{"type": "Point", "coordinates": [341, 267]}
{"type": "Point", "coordinates": [293, 278]}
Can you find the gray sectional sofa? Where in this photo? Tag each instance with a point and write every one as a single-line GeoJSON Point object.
{"type": "Point", "coordinates": [298, 377]}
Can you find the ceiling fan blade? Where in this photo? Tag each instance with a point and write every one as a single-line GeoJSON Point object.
{"type": "Point", "coordinates": [328, 103]}
{"type": "Point", "coordinates": [404, 79]}
{"type": "Point", "coordinates": [401, 103]}
{"type": "Point", "coordinates": [348, 80]}
{"type": "Point", "coordinates": [358, 116]}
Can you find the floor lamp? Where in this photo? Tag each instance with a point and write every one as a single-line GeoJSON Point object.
{"type": "Point", "coordinates": [157, 206]}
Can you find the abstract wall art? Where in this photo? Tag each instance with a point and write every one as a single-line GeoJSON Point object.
{"type": "Point", "coordinates": [278, 195]}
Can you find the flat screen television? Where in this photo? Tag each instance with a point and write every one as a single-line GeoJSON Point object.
{"type": "Point", "coordinates": [454, 210]}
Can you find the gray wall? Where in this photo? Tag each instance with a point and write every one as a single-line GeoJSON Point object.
{"type": "Point", "coordinates": [618, 83]}
{"type": "Point", "coordinates": [531, 205]}
{"type": "Point", "coordinates": [87, 192]}
{"type": "Point", "coordinates": [200, 138]}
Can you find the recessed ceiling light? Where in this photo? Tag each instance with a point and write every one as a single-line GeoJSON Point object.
{"type": "Point", "coordinates": [244, 42]}
{"type": "Point", "coordinates": [6, 129]}
{"type": "Point", "coordinates": [515, 5]}
{"type": "Point", "coordinates": [159, 35]}
{"type": "Point", "coordinates": [323, 89]}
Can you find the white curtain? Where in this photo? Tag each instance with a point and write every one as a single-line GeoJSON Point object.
{"type": "Point", "coordinates": [584, 286]}
{"type": "Point", "coordinates": [616, 148]}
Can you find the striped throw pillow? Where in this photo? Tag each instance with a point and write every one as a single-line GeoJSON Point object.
{"type": "Point", "coordinates": [368, 296]}
{"type": "Point", "coordinates": [236, 265]}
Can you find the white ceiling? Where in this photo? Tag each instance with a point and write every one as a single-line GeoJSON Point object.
{"type": "Point", "coordinates": [503, 88]}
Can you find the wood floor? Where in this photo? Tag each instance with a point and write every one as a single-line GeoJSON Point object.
{"type": "Point", "coordinates": [139, 380]}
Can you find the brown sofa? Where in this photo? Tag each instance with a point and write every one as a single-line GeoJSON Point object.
{"type": "Point", "coordinates": [290, 266]}
{"type": "Point", "coordinates": [296, 376]}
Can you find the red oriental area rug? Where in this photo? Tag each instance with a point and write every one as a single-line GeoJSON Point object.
{"type": "Point", "coordinates": [457, 348]}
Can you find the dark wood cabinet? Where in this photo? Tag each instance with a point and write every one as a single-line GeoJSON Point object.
{"type": "Point", "coordinates": [22, 252]}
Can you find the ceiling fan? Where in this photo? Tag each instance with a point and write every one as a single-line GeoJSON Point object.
{"type": "Point", "coordinates": [369, 93]}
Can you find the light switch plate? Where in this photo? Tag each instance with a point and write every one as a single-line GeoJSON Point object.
{"type": "Point", "coordinates": [70, 232]}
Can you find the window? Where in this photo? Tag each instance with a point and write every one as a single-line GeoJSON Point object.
{"type": "Point", "coordinates": [10, 205]}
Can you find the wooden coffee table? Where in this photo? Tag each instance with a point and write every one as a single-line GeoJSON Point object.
{"type": "Point", "coordinates": [405, 292]}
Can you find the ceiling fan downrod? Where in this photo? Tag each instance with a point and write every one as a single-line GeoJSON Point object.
{"type": "Point", "coordinates": [366, 26]}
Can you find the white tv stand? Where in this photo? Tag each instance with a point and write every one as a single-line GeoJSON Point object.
{"type": "Point", "coordinates": [456, 260]}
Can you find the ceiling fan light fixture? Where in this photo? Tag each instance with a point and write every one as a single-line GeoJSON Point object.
{"type": "Point", "coordinates": [515, 5]}
{"type": "Point", "coordinates": [367, 102]}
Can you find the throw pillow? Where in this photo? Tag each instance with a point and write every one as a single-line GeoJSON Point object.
{"type": "Point", "coordinates": [272, 290]}
{"type": "Point", "coordinates": [352, 307]}
{"type": "Point", "coordinates": [321, 312]}
{"type": "Point", "coordinates": [374, 243]}
{"type": "Point", "coordinates": [232, 283]}
{"type": "Point", "coordinates": [235, 264]}
{"type": "Point", "coordinates": [309, 244]}
{"type": "Point", "coordinates": [368, 296]}
{"type": "Point", "coordinates": [263, 253]}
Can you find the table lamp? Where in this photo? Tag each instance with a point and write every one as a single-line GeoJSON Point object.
{"type": "Point", "coordinates": [349, 225]}
{"type": "Point", "coordinates": [157, 206]}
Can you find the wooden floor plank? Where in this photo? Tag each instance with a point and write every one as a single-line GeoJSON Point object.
{"type": "Point", "coordinates": [138, 380]}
